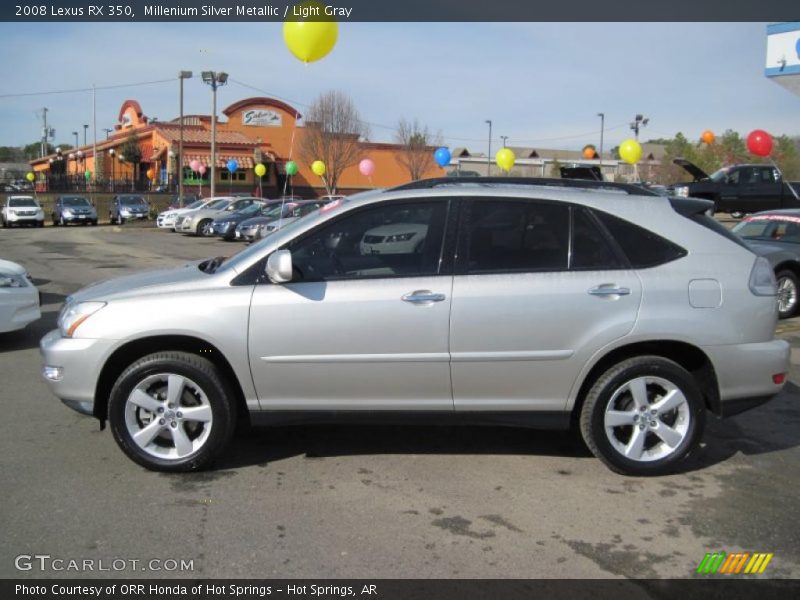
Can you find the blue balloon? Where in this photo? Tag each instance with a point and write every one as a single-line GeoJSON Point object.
{"type": "Point", "coordinates": [797, 47]}
{"type": "Point", "coordinates": [232, 165]}
{"type": "Point", "coordinates": [442, 157]}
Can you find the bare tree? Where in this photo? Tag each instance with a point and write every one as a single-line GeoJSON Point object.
{"type": "Point", "coordinates": [418, 145]}
{"type": "Point", "coordinates": [333, 130]}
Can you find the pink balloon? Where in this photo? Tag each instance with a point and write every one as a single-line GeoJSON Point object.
{"type": "Point", "coordinates": [367, 167]}
{"type": "Point", "coordinates": [194, 165]}
{"type": "Point", "coordinates": [201, 169]}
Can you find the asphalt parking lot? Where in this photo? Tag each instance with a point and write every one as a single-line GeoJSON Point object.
{"type": "Point", "coordinates": [367, 502]}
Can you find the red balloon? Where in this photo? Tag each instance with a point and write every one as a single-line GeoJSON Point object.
{"type": "Point", "coordinates": [759, 142]}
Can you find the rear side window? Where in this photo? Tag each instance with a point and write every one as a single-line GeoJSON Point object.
{"type": "Point", "coordinates": [591, 249]}
{"type": "Point", "coordinates": [510, 235]}
{"type": "Point", "coordinates": [642, 247]}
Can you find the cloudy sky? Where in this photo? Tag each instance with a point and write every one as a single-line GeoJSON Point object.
{"type": "Point", "coordinates": [540, 83]}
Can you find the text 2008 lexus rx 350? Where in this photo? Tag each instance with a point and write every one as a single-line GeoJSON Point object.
{"type": "Point", "coordinates": [529, 303]}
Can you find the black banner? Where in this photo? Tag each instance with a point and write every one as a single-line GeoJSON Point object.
{"type": "Point", "coordinates": [395, 589]}
{"type": "Point", "coordinates": [401, 10]}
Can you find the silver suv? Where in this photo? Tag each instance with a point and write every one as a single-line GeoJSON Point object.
{"type": "Point", "coordinates": [517, 302]}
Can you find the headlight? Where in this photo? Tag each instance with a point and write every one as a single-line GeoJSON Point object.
{"type": "Point", "coordinates": [10, 280]}
{"type": "Point", "coordinates": [124, 211]}
{"type": "Point", "coordinates": [399, 237]}
{"type": "Point", "coordinates": [66, 212]}
{"type": "Point", "coordinates": [72, 315]}
{"type": "Point", "coordinates": [682, 191]}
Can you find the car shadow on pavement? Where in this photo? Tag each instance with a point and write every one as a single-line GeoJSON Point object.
{"type": "Point", "coordinates": [262, 445]}
{"type": "Point", "coordinates": [28, 338]}
{"type": "Point", "coordinates": [772, 427]}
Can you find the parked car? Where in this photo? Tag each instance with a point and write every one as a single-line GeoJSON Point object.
{"type": "Point", "coordinates": [176, 203]}
{"type": "Point", "coordinates": [199, 222]}
{"type": "Point", "coordinates": [225, 226]}
{"type": "Point", "coordinates": [628, 313]}
{"type": "Point", "coordinates": [19, 298]}
{"type": "Point", "coordinates": [22, 210]}
{"type": "Point", "coordinates": [167, 218]}
{"type": "Point", "coordinates": [274, 217]}
{"type": "Point", "coordinates": [73, 209]}
{"type": "Point", "coordinates": [403, 232]}
{"type": "Point", "coordinates": [739, 189]}
{"type": "Point", "coordinates": [775, 235]}
{"type": "Point", "coordinates": [128, 207]}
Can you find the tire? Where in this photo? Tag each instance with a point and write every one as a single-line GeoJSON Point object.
{"type": "Point", "coordinates": [788, 293]}
{"type": "Point", "coordinates": [40, 223]}
{"type": "Point", "coordinates": [5, 223]}
{"type": "Point", "coordinates": [111, 218]}
{"type": "Point", "coordinates": [648, 453]}
{"type": "Point", "coordinates": [94, 222]}
{"type": "Point", "coordinates": [62, 222]}
{"type": "Point", "coordinates": [203, 391]}
{"type": "Point", "coordinates": [204, 228]}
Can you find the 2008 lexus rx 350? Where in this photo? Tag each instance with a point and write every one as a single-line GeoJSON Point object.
{"type": "Point", "coordinates": [526, 302]}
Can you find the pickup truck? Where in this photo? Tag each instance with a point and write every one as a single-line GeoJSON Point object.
{"type": "Point", "coordinates": [739, 189]}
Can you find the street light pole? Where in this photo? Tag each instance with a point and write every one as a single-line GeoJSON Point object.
{"type": "Point", "coordinates": [107, 130]}
{"type": "Point", "coordinates": [75, 133]}
{"type": "Point", "coordinates": [214, 79]}
{"type": "Point", "coordinates": [602, 130]}
{"type": "Point", "coordinates": [489, 156]}
{"type": "Point", "coordinates": [181, 76]}
{"type": "Point", "coordinates": [504, 138]}
{"type": "Point", "coordinates": [85, 129]}
{"type": "Point", "coordinates": [639, 121]}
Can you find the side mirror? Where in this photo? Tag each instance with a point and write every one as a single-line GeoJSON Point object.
{"type": "Point", "coordinates": [279, 266]}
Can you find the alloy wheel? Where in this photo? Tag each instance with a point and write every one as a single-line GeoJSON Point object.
{"type": "Point", "coordinates": [787, 295]}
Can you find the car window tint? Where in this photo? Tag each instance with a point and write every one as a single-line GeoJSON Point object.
{"type": "Point", "coordinates": [590, 246]}
{"type": "Point", "coordinates": [390, 240]}
{"type": "Point", "coordinates": [642, 247]}
{"type": "Point", "coordinates": [511, 235]}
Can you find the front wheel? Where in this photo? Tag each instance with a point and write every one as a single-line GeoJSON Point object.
{"type": "Point", "coordinates": [643, 416]}
{"type": "Point", "coordinates": [205, 228]}
{"type": "Point", "coordinates": [172, 411]}
{"type": "Point", "coordinates": [788, 289]}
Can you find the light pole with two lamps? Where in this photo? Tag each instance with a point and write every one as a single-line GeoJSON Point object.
{"type": "Point", "coordinates": [489, 156]}
{"type": "Point", "coordinates": [181, 76]}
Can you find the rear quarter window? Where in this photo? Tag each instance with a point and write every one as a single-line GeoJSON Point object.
{"type": "Point", "coordinates": [642, 247]}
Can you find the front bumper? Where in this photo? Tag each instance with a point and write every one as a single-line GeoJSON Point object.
{"type": "Point", "coordinates": [18, 307]}
{"type": "Point", "coordinates": [71, 368]}
{"type": "Point", "coordinates": [132, 216]}
{"type": "Point", "coordinates": [745, 373]}
{"type": "Point", "coordinates": [188, 226]}
{"type": "Point", "coordinates": [17, 218]}
{"type": "Point", "coordinates": [165, 222]}
{"type": "Point", "coordinates": [87, 218]}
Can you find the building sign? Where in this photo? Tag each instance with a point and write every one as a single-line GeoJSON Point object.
{"type": "Point", "coordinates": [262, 118]}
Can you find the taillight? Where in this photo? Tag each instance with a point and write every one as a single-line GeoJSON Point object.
{"type": "Point", "coordinates": [762, 278]}
{"type": "Point", "coordinates": [778, 378]}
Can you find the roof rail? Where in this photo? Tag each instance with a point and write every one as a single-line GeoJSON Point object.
{"type": "Point", "coordinates": [423, 184]}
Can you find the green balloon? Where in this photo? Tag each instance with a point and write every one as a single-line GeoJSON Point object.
{"type": "Point", "coordinates": [87, 174]}
{"type": "Point", "coordinates": [291, 168]}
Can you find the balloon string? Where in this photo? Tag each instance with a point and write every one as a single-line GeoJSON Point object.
{"type": "Point", "coordinates": [291, 152]}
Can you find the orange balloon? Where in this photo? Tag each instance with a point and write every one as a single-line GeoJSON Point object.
{"type": "Point", "coordinates": [708, 136]}
{"type": "Point", "coordinates": [150, 173]}
{"type": "Point", "coordinates": [589, 152]}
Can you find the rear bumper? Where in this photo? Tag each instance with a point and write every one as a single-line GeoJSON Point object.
{"type": "Point", "coordinates": [745, 373]}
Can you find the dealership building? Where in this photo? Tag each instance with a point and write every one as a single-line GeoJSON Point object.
{"type": "Point", "coordinates": [251, 131]}
{"type": "Point", "coordinates": [783, 55]}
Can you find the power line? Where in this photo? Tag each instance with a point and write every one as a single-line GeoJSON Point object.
{"type": "Point", "coordinates": [79, 90]}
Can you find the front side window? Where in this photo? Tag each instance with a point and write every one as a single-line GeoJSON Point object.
{"type": "Point", "coordinates": [512, 235]}
{"type": "Point", "coordinates": [389, 240]}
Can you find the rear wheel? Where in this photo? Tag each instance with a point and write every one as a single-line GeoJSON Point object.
{"type": "Point", "coordinates": [172, 411]}
{"type": "Point", "coordinates": [788, 290]}
{"type": "Point", "coordinates": [643, 416]}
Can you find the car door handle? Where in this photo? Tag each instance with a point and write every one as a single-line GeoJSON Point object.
{"type": "Point", "coordinates": [423, 297]}
{"type": "Point", "coordinates": [609, 289]}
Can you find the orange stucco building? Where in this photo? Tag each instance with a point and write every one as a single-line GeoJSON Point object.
{"type": "Point", "coordinates": [251, 131]}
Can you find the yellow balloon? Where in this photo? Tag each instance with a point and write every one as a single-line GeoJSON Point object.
{"type": "Point", "coordinates": [505, 159]}
{"type": "Point", "coordinates": [260, 170]}
{"type": "Point", "coordinates": [310, 40]}
{"type": "Point", "coordinates": [30, 176]}
{"type": "Point", "coordinates": [630, 151]}
{"type": "Point", "coordinates": [318, 167]}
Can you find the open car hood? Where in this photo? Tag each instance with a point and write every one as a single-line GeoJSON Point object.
{"type": "Point", "coordinates": [691, 168]}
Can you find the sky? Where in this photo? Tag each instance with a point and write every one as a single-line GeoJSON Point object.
{"type": "Point", "coordinates": [541, 84]}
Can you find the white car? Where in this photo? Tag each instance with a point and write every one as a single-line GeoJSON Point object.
{"type": "Point", "coordinates": [19, 298]}
{"type": "Point", "coordinates": [397, 238]}
{"type": "Point", "coordinates": [166, 219]}
{"type": "Point", "coordinates": [19, 210]}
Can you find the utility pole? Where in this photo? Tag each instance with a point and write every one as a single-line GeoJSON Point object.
{"type": "Point", "coordinates": [181, 76]}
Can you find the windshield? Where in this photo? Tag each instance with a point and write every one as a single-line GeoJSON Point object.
{"type": "Point", "coordinates": [249, 210]}
{"type": "Point", "coordinates": [196, 204]}
{"type": "Point", "coordinates": [275, 211]}
{"type": "Point", "coordinates": [773, 228]}
{"type": "Point", "coordinates": [132, 201]}
{"type": "Point", "coordinates": [721, 175]}
{"type": "Point", "coordinates": [218, 204]}
{"type": "Point", "coordinates": [22, 202]}
{"type": "Point", "coordinates": [75, 202]}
